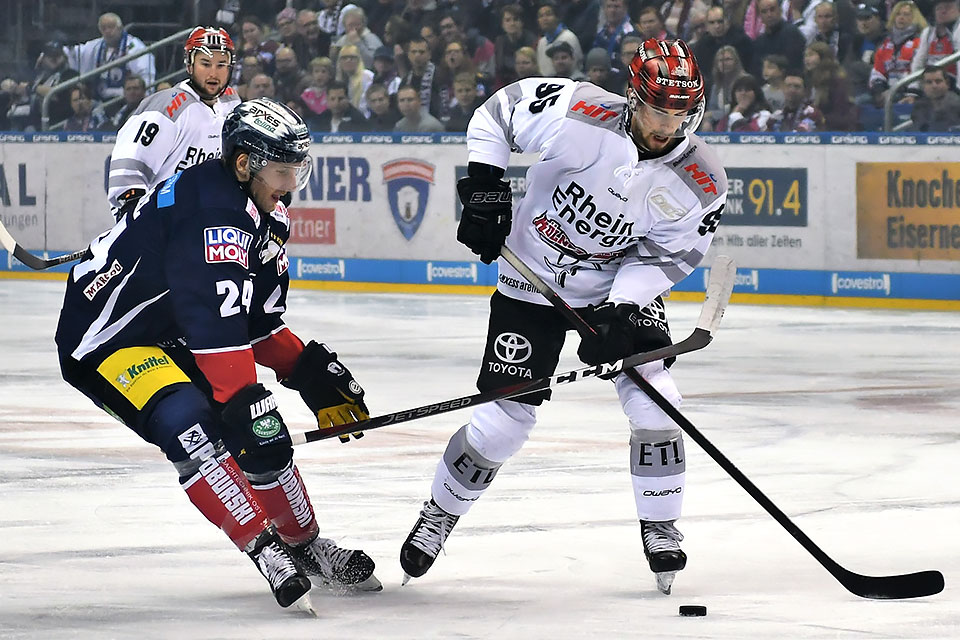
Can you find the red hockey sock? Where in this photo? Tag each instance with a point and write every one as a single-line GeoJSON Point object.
{"type": "Point", "coordinates": [287, 504]}
{"type": "Point", "coordinates": [222, 494]}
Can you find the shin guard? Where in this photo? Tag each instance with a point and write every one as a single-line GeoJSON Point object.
{"type": "Point", "coordinates": [462, 475]}
{"type": "Point", "coordinates": [658, 469]}
{"type": "Point", "coordinates": [285, 499]}
{"type": "Point", "coordinates": [222, 494]}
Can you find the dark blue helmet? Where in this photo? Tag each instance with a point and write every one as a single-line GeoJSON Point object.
{"type": "Point", "coordinates": [268, 131]}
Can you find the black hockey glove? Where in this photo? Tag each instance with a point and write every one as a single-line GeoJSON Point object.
{"type": "Point", "coordinates": [487, 213]}
{"type": "Point", "coordinates": [256, 429]}
{"type": "Point", "coordinates": [128, 201]}
{"type": "Point", "coordinates": [328, 388]}
{"type": "Point", "coordinates": [623, 330]}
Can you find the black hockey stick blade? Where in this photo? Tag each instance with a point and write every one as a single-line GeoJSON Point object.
{"type": "Point", "coordinates": [911, 585]}
{"type": "Point", "coordinates": [32, 261]}
{"type": "Point", "coordinates": [895, 587]}
{"type": "Point", "coordinates": [714, 304]}
{"type": "Point", "coordinates": [900, 587]}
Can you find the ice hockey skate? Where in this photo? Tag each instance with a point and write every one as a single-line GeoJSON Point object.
{"type": "Point", "coordinates": [661, 546]}
{"type": "Point", "coordinates": [425, 541]}
{"type": "Point", "coordinates": [277, 566]}
{"type": "Point", "coordinates": [333, 568]}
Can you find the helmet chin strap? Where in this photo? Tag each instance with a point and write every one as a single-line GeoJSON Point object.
{"type": "Point", "coordinates": [628, 121]}
{"type": "Point", "coordinates": [246, 185]}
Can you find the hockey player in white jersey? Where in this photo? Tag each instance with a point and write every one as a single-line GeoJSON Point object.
{"type": "Point", "coordinates": [622, 205]}
{"type": "Point", "coordinates": [177, 127]}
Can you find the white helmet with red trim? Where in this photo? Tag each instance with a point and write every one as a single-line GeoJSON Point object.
{"type": "Point", "coordinates": [207, 40]}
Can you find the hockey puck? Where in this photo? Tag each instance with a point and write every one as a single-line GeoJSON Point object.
{"type": "Point", "coordinates": [693, 610]}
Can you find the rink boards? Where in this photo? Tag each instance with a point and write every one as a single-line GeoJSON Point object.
{"type": "Point", "coordinates": [847, 220]}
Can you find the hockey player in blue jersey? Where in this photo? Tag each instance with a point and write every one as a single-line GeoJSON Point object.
{"type": "Point", "coordinates": [164, 320]}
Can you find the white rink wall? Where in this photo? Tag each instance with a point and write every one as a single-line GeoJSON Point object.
{"type": "Point", "coordinates": [853, 216]}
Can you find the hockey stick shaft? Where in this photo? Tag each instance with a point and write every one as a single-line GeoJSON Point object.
{"type": "Point", "coordinates": [27, 258]}
{"type": "Point", "coordinates": [912, 585]}
{"type": "Point", "coordinates": [714, 304]}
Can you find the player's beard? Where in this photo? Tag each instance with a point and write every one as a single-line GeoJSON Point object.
{"type": "Point", "coordinates": [202, 91]}
{"type": "Point", "coordinates": [648, 144]}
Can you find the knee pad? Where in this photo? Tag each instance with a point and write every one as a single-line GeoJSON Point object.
{"type": "Point", "coordinates": [497, 430]}
{"type": "Point", "coordinates": [255, 433]}
{"type": "Point", "coordinates": [641, 410]}
{"type": "Point", "coordinates": [183, 424]}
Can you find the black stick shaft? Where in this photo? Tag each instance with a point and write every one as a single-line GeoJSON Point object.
{"type": "Point", "coordinates": [913, 585]}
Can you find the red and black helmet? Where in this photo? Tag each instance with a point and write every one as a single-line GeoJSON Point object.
{"type": "Point", "coordinates": [207, 40]}
{"type": "Point", "coordinates": [665, 75]}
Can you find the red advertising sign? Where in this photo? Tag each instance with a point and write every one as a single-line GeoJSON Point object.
{"type": "Point", "coordinates": [313, 226]}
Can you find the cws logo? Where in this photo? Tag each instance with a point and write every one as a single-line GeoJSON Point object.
{"type": "Point", "coordinates": [860, 284]}
{"type": "Point", "coordinates": [227, 244]}
{"type": "Point", "coordinates": [408, 183]}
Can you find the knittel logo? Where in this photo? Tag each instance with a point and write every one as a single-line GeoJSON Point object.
{"type": "Point", "coordinates": [408, 187]}
{"type": "Point", "coordinates": [132, 373]}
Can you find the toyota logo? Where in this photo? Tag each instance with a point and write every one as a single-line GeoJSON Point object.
{"type": "Point", "coordinates": [512, 348]}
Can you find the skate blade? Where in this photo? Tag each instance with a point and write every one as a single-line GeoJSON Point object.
{"type": "Point", "coordinates": [371, 584]}
{"type": "Point", "coordinates": [665, 581]}
{"type": "Point", "coordinates": [305, 605]}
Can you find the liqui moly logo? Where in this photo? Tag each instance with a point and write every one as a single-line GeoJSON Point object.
{"type": "Point", "coordinates": [227, 244]}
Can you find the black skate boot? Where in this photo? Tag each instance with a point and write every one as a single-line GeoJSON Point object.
{"type": "Point", "coordinates": [277, 566]}
{"type": "Point", "coordinates": [661, 545]}
{"type": "Point", "coordinates": [426, 539]}
{"type": "Point", "coordinates": [335, 568]}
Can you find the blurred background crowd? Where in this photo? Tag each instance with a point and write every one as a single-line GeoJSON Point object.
{"type": "Point", "coordinates": [425, 65]}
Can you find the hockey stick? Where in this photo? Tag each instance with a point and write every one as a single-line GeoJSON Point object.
{"type": "Point", "coordinates": [910, 585]}
{"type": "Point", "coordinates": [32, 261]}
{"type": "Point", "coordinates": [718, 294]}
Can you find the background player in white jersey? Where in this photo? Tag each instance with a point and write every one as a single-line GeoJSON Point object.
{"type": "Point", "coordinates": [177, 127]}
{"type": "Point", "coordinates": [622, 205]}
{"type": "Point", "coordinates": [165, 319]}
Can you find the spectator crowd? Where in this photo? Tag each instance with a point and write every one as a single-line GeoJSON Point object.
{"type": "Point", "coordinates": [426, 65]}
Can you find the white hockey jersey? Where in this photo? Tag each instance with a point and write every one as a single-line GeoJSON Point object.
{"type": "Point", "coordinates": [596, 220]}
{"type": "Point", "coordinates": [170, 131]}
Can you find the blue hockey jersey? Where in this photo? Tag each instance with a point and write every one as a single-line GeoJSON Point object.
{"type": "Point", "coordinates": [195, 260]}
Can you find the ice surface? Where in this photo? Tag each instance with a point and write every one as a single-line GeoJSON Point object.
{"type": "Point", "coordinates": [849, 420]}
